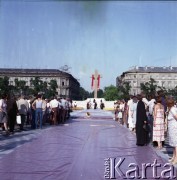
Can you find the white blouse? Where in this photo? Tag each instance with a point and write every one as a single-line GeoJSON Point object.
{"type": "Point", "coordinates": [172, 112]}
{"type": "Point", "coordinates": [3, 105]}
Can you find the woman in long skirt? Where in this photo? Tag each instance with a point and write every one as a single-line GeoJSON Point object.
{"type": "Point", "coordinates": [159, 126]}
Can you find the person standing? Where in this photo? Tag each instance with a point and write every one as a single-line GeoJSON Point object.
{"type": "Point", "coordinates": [133, 108]}
{"type": "Point", "coordinates": [3, 112]}
{"type": "Point", "coordinates": [63, 107]}
{"type": "Point", "coordinates": [12, 111]}
{"type": "Point", "coordinates": [159, 127]}
{"type": "Point", "coordinates": [172, 127]}
{"type": "Point", "coordinates": [101, 104]}
{"type": "Point", "coordinates": [44, 109]}
{"type": "Point", "coordinates": [75, 105]}
{"type": "Point", "coordinates": [141, 119]}
{"type": "Point", "coordinates": [125, 114]}
{"type": "Point", "coordinates": [54, 109]}
{"type": "Point", "coordinates": [37, 105]}
{"type": "Point", "coordinates": [94, 104]}
{"type": "Point", "coordinates": [150, 116]}
{"type": "Point", "coordinates": [23, 107]}
{"type": "Point", "coordinates": [130, 101]}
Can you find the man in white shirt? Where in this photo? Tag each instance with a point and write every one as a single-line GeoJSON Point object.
{"type": "Point", "coordinates": [54, 109]}
{"type": "Point", "coordinates": [63, 105]}
{"type": "Point", "coordinates": [23, 107]}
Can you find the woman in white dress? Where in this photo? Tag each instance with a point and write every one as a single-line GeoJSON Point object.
{"type": "Point", "coordinates": [159, 127]}
{"type": "Point", "coordinates": [172, 128]}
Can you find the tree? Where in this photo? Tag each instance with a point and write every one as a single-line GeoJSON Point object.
{"type": "Point", "coordinates": [111, 93]}
{"type": "Point", "coordinates": [172, 92]}
{"type": "Point", "coordinates": [84, 94]}
{"type": "Point", "coordinates": [52, 89]}
{"type": "Point", "coordinates": [100, 94]}
{"type": "Point", "coordinates": [37, 84]}
{"type": "Point", "coordinates": [20, 87]}
{"type": "Point", "coordinates": [4, 85]}
{"type": "Point", "coordinates": [124, 90]}
{"type": "Point", "coordinates": [149, 87]}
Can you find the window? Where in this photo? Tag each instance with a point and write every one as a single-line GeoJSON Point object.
{"type": "Point", "coordinates": [63, 92]}
{"type": "Point", "coordinates": [163, 83]}
{"type": "Point", "coordinates": [63, 83]}
{"type": "Point", "coordinates": [134, 83]}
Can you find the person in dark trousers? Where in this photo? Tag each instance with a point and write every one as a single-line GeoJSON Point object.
{"type": "Point", "coordinates": [12, 111]}
{"type": "Point", "coordinates": [95, 104]}
{"type": "Point", "coordinates": [23, 107]}
{"type": "Point", "coordinates": [101, 104]}
{"type": "Point", "coordinates": [141, 134]}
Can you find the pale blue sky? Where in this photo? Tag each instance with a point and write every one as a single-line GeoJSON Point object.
{"type": "Point", "coordinates": [110, 36]}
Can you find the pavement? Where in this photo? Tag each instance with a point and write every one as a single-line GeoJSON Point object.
{"type": "Point", "coordinates": [85, 147]}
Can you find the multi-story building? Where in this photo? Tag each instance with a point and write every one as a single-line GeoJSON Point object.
{"type": "Point", "coordinates": [68, 86]}
{"type": "Point", "coordinates": [164, 76]}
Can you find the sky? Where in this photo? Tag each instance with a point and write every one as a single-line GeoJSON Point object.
{"type": "Point", "coordinates": [108, 36]}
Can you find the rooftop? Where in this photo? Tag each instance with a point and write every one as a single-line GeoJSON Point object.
{"type": "Point", "coordinates": [152, 69]}
{"type": "Point", "coordinates": [34, 72]}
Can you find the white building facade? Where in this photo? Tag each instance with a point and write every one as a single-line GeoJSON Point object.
{"type": "Point", "coordinates": [164, 76]}
{"type": "Point", "coordinates": [68, 86]}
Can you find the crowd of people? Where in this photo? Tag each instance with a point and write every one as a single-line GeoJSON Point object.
{"type": "Point", "coordinates": [94, 104]}
{"type": "Point", "coordinates": [35, 112]}
{"type": "Point", "coordinates": [151, 118]}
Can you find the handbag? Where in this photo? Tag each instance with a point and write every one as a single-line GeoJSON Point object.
{"type": "Point", "coordinates": [18, 119]}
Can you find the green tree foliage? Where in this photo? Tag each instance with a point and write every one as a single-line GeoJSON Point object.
{"type": "Point", "coordinates": [20, 87]}
{"type": "Point", "coordinates": [84, 94]}
{"type": "Point", "coordinates": [51, 90]}
{"type": "Point", "coordinates": [111, 93]}
{"type": "Point", "coordinates": [124, 90]}
{"type": "Point", "coordinates": [36, 84]}
{"type": "Point", "coordinates": [100, 94]}
{"type": "Point", "coordinates": [149, 87]}
{"type": "Point", "coordinates": [4, 85]}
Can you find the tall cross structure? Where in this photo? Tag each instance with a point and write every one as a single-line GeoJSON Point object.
{"type": "Point", "coordinates": [95, 83]}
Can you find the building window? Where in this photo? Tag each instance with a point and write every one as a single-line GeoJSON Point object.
{"type": "Point", "coordinates": [134, 83]}
{"type": "Point", "coordinates": [63, 92]}
{"type": "Point", "coordinates": [63, 83]}
{"type": "Point", "coordinates": [134, 76]}
{"type": "Point", "coordinates": [134, 92]}
{"type": "Point", "coordinates": [163, 83]}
